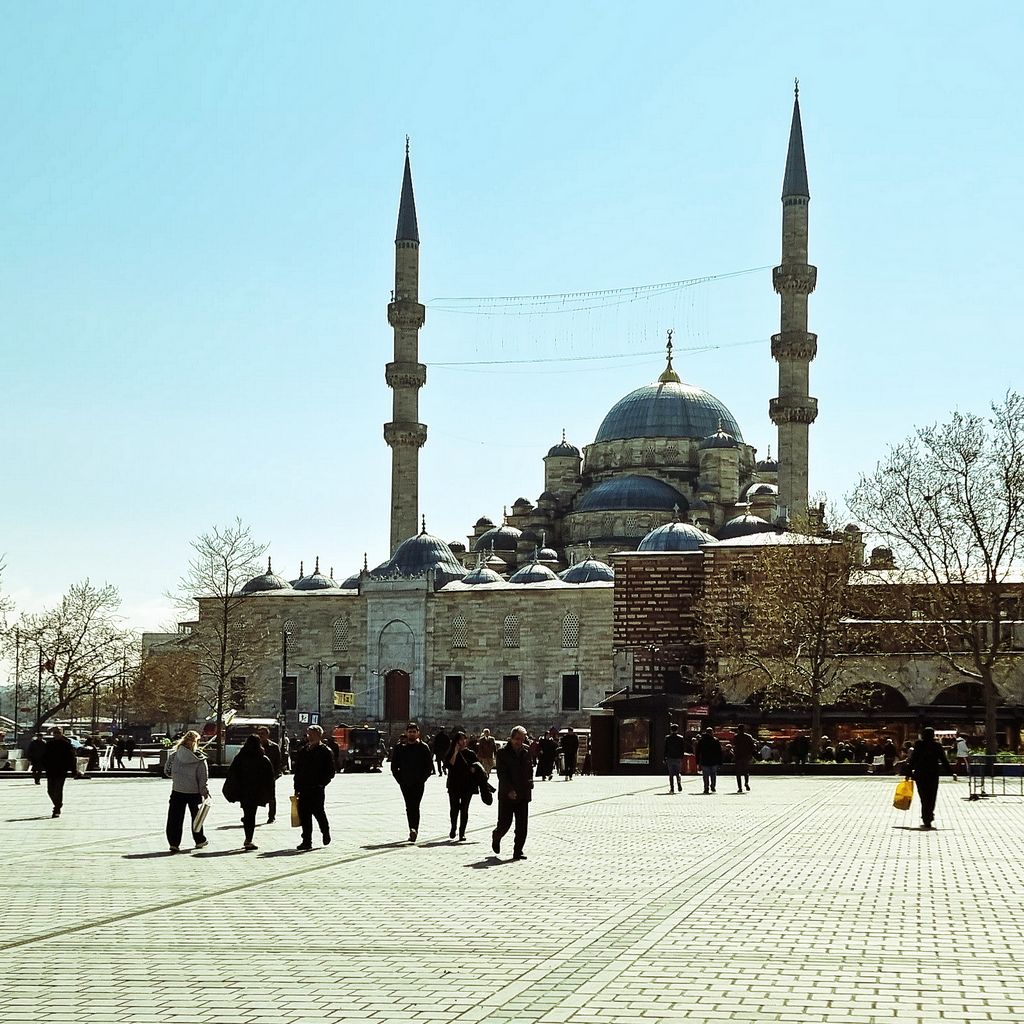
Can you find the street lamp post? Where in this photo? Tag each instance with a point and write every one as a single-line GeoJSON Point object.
{"type": "Point", "coordinates": [285, 634]}
{"type": "Point", "coordinates": [17, 682]}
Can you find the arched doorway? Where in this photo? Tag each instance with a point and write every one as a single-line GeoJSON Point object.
{"type": "Point", "coordinates": [396, 698]}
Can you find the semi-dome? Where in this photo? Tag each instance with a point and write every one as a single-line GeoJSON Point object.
{"type": "Point", "coordinates": [532, 573]}
{"type": "Point", "coordinates": [501, 538]}
{"type": "Point", "coordinates": [631, 491]}
{"type": "Point", "coordinates": [590, 570]}
{"type": "Point", "coordinates": [268, 581]}
{"type": "Point", "coordinates": [675, 537]}
{"type": "Point", "coordinates": [318, 581]}
{"type": "Point", "coordinates": [667, 408]}
{"type": "Point", "coordinates": [745, 526]}
{"type": "Point", "coordinates": [481, 574]}
{"type": "Point", "coordinates": [421, 554]}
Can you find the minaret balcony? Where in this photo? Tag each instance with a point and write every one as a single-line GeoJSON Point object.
{"type": "Point", "coordinates": [406, 314]}
{"type": "Point", "coordinates": [795, 278]}
{"type": "Point", "coordinates": [405, 435]}
{"type": "Point", "coordinates": [405, 375]}
{"type": "Point", "coordinates": [802, 409]}
{"type": "Point", "coordinates": [801, 346]}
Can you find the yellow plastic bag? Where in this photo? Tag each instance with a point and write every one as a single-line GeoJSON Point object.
{"type": "Point", "coordinates": [296, 822]}
{"type": "Point", "coordinates": [904, 795]}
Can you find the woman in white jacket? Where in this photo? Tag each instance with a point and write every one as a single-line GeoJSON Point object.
{"type": "Point", "coordinates": [190, 776]}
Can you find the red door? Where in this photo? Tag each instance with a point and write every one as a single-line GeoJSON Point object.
{"type": "Point", "coordinates": [396, 696]}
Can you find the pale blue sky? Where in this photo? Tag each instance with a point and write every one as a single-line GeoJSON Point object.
{"type": "Point", "coordinates": [197, 214]}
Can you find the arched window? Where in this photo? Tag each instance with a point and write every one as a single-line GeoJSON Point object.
{"type": "Point", "coordinates": [510, 631]}
{"type": "Point", "coordinates": [342, 635]}
{"type": "Point", "coordinates": [290, 633]}
{"type": "Point", "coordinates": [460, 632]}
{"type": "Point", "coordinates": [571, 630]}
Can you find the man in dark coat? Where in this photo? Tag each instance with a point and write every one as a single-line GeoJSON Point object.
{"type": "Point", "coordinates": [709, 757]}
{"type": "Point", "coordinates": [743, 753]}
{"type": "Point", "coordinates": [58, 763]}
{"type": "Point", "coordinates": [412, 765]}
{"type": "Point", "coordinates": [548, 754]}
{"type": "Point", "coordinates": [314, 769]}
{"type": "Point", "coordinates": [515, 790]}
{"type": "Point", "coordinates": [570, 748]}
{"type": "Point", "coordinates": [273, 753]}
{"type": "Point", "coordinates": [926, 763]}
{"type": "Point", "coordinates": [675, 748]}
{"type": "Point", "coordinates": [36, 755]}
{"type": "Point", "coordinates": [442, 748]}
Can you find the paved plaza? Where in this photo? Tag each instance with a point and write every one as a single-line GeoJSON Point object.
{"type": "Point", "coordinates": [807, 900]}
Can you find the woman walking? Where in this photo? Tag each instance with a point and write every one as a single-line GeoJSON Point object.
{"type": "Point", "coordinates": [250, 782]}
{"type": "Point", "coordinates": [190, 776]}
{"type": "Point", "coordinates": [463, 782]}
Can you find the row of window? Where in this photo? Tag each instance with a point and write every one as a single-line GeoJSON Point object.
{"type": "Point", "coordinates": [511, 693]}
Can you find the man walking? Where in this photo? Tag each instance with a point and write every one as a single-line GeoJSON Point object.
{"type": "Point", "coordinates": [926, 762]}
{"type": "Point", "coordinates": [273, 753]}
{"type": "Point", "coordinates": [36, 755]}
{"type": "Point", "coordinates": [675, 747]}
{"type": "Point", "coordinates": [485, 747]}
{"type": "Point", "coordinates": [743, 754]}
{"type": "Point", "coordinates": [412, 765]}
{"type": "Point", "coordinates": [442, 748]}
{"type": "Point", "coordinates": [570, 748]}
{"type": "Point", "coordinates": [314, 769]}
{"type": "Point", "coordinates": [58, 763]}
{"type": "Point", "coordinates": [515, 790]}
{"type": "Point", "coordinates": [709, 757]}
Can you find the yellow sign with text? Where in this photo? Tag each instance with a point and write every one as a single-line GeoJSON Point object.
{"type": "Point", "coordinates": [344, 700]}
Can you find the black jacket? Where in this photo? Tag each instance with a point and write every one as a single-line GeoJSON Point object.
{"type": "Point", "coordinates": [250, 779]}
{"type": "Point", "coordinates": [515, 772]}
{"type": "Point", "coordinates": [314, 767]}
{"type": "Point", "coordinates": [462, 775]}
{"type": "Point", "coordinates": [743, 746]}
{"type": "Point", "coordinates": [927, 759]}
{"type": "Point", "coordinates": [675, 746]}
{"type": "Point", "coordinates": [411, 762]}
{"type": "Point", "coordinates": [709, 750]}
{"type": "Point", "coordinates": [273, 752]}
{"type": "Point", "coordinates": [59, 757]}
{"type": "Point", "coordinates": [570, 744]}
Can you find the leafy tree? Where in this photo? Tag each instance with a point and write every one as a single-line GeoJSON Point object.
{"type": "Point", "coordinates": [167, 686]}
{"type": "Point", "coordinates": [949, 502]}
{"type": "Point", "coordinates": [80, 645]}
{"type": "Point", "coordinates": [772, 620]}
{"type": "Point", "coordinates": [223, 642]}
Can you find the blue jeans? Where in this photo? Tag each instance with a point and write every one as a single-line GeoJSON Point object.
{"type": "Point", "coordinates": [710, 772]}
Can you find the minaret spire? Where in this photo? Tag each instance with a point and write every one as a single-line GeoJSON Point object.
{"type": "Point", "coordinates": [406, 374]}
{"type": "Point", "coordinates": [793, 411]}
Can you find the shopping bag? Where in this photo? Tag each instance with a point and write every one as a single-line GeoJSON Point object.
{"type": "Point", "coordinates": [296, 821]}
{"type": "Point", "coordinates": [197, 821]}
{"type": "Point", "coordinates": [904, 795]}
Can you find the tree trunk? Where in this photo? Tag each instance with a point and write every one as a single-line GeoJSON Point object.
{"type": "Point", "coordinates": [815, 726]}
{"type": "Point", "coordinates": [991, 731]}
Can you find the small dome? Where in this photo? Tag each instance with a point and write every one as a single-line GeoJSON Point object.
{"type": "Point", "coordinates": [497, 563]}
{"type": "Point", "coordinates": [421, 554]}
{"type": "Point", "coordinates": [268, 581]}
{"type": "Point", "coordinates": [745, 526]}
{"type": "Point", "coordinates": [754, 490]}
{"type": "Point", "coordinates": [501, 538]}
{"type": "Point", "coordinates": [699, 505]}
{"type": "Point", "coordinates": [529, 537]}
{"type": "Point", "coordinates": [667, 408]}
{"type": "Point", "coordinates": [481, 574]}
{"type": "Point", "coordinates": [675, 537]}
{"type": "Point", "coordinates": [457, 545]}
{"type": "Point", "coordinates": [533, 573]}
{"type": "Point", "coordinates": [768, 465]}
{"type": "Point", "coordinates": [631, 491]}
{"type": "Point", "coordinates": [352, 583]}
{"type": "Point", "coordinates": [719, 439]}
{"type": "Point", "coordinates": [547, 498]}
{"type": "Point", "coordinates": [522, 503]}
{"type": "Point", "coordinates": [484, 521]}
{"type": "Point", "coordinates": [547, 555]}
{"type": "Point", "coordinates": [564, 450]}
{"type": "Point", "coordinates": [318, 581]}
{"type": "Point", "coordinates": [590, 570]}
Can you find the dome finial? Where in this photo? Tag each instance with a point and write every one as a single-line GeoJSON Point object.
{"type": "Point", "coordinates": [675, 512]}
{"type": "Point", "coordinates": [668, 374]}
{"type": "Point", "coordinates": [316, 570]}
{"type": "Point", "coordinates": [423, 520]}
{"type": "Point", "coordinates": [269, 570]}
{"type": "Point", "coordinates": [796, 93]}
{"type": "Point", "coordinates": [590, 550]}
{"type": "Point", "coordinates": [302, 569]}
{"type": "Point", "coordinates": [563, 435]}
{"type": "Point", "coordinates": [366, 566]}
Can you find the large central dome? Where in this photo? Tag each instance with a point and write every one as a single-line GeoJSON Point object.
{"type": "Point", "coordinates": [667, 409]}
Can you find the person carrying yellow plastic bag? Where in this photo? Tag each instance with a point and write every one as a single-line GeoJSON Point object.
{"type": "Point", "coordinates": [904, 795]}
{"type": "Point", "coordinates": [296, 820]}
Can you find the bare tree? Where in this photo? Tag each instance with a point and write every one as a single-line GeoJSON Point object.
{"type": "Point", "coordinates": [949, 502]}
{"type": "Point", "coordinates": [772, 619]}
{"type": "Point", "coordinates": [223, 642]}
{"type": "Point", "coordinates": [81, 647]}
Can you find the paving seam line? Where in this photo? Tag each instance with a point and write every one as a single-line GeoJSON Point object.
{"type": "Point", "coordinates": [322, 865]}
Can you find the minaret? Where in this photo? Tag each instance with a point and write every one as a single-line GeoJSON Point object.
{"type": "Point", "coordinates": [406, 375]}
{"type": "Point", "coordinates": [794, 347]}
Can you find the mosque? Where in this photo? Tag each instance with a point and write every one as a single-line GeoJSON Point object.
{"type": "Point", "coordinates": [515, 626]}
